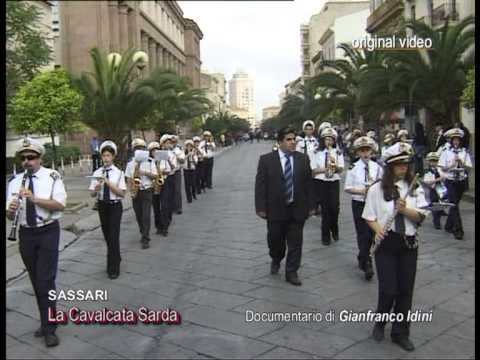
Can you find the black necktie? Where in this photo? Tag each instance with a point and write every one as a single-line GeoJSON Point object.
{"type": "Point", "coordinates": [31, 211]}
{"type": "Point", "coordinates": [106, 189]}
{"type": "Point", "coordinates": [366, 173]}
{"type": "Point", "coordinates": [400, 223]}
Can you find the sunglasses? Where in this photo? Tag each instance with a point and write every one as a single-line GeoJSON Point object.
{"type": "Point", "coordinates": [28, 157]}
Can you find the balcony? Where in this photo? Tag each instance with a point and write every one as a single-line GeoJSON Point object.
{"type": "Point", "coordinates": [381, 15]}
{"type": "Point", "coordinates": [440, 14]}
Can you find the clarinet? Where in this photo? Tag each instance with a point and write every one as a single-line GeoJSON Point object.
{"type": "Point", "coordinates": [390, 220]}
{"type": "Point", "coordinates": [13, 231]}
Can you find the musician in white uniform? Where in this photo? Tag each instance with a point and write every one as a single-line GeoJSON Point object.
{"type": "Point", "coordinates": [360, 176]}
{"type": "Point", "coordinates": [108, 187]}
{"type": "Point", "coordinates": [200, 164]}
{"type": "Point", "coordinates": [388, 140]}
{"type": "Point", "coordinates": [455, 161]}
{"type": "Point", "coordinates": [396, 238]}
{"type": "Point", "coordinates": [308, 144]}
{"type": "Point", "coordinates": [177, 190]}
{"type": "Point", "coordinates": [191, 160]}
{"type": "Point", "coordinates": [327, 165]}
{"type": "Point", "coordinates": [208, 145]}
{"type": "Point", "coordinates": [436, 191]}
{"type": "Point", "coordinates": [43, 200]}
{"type": "Point", "coordinates": [142, 201]}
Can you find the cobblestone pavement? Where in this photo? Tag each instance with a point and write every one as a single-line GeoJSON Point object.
{"type": "Point", "coordinates": [214, 266]}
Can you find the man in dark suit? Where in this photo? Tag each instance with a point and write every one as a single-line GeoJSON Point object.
{"type": "Point", "coordinates": [284, 197]}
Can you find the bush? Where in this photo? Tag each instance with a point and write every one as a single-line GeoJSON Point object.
{"type": "Point", "coordinates": [13, 160]}
{"type": "Point", "coordinates": [66, 152]}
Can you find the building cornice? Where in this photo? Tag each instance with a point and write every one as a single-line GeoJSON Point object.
{"type": "Point", "coordinates": [192, 25]}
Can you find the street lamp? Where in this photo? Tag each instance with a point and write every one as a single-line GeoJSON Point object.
{"type": "Point", "coordinates": [114, 58]}
{"type": "Point", "coordinates": [140, 59]}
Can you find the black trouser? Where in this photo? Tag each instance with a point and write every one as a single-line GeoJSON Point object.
{"type": "Point", "coordinates": [168, 197]}
{"type": "Point", "coordinates": [281, 234]}
{"type": "Point", "coordinates": [455, 190]}
{"type": "Point", "coordinates": [39, 252]}
{"type": "Point", "coordinates": [396, 269]}
{"type": "Point", "coordinates": [209, 172]}
{"type": "Point", "coordinates": [189, 178]}
{"type": "Point", "coordinates": [142, 205]}
{"type": "Point", "coordinates": [177, 191]}
{"type": "Point", "coordinates": [161, 208]}
{"type": "Point", "coordinates": [199, 178]}
{"type": "Point", "coordinates": [328, 193]}
{"type": "Point", "coordinates": [436, 214]}
{"type": "Point", "coordinates": [110, 218]}
{"type": "Point", "coordinates": [364, 233]}
{"type": "Point", "coordinates": [95, 161]}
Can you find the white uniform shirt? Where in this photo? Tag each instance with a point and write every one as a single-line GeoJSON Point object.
{"type": "Point", "coordinates": [318, 161]}
{"type": "Point", "coordinates": [210, 148]}
{"type": "Point", "coordinates": [202, 153]}
{"type": "Point", "coordinates": [164, 166]}
{"type": "Point", "coordinates": [147, 166]}
{"type": "Point", "coordinates": [377, 209]}
{"type": "Point", "coordinates": [44, 187]}
{"type": "Point", "coordinates": [361, 175]}
{"type": "Point", "coordinates": [115, 176]}
{"type": "Point", "coordinates": [444, 147]}
{"type": "Point", "coordinates": [180, 154]}
{"type": "Point", "coordinates": [312, 144]}
{"type": "Point", "coordinates": [191, 161]}
{"type": "Point", "coordinates": [447, 158]}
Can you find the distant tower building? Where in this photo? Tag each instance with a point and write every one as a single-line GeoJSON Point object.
{"type": "Point", "coordinates": [242, 94]}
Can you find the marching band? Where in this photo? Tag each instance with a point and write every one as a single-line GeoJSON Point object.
{"type": "Point", "coordinates": [388, 203]}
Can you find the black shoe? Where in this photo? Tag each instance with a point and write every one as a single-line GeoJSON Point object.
{"type": "Point", "coordinates": [39, 332]}
{"type": "Point", "coordinates": [145, 245]}
{"type": "Point", "coordinates": [335, 236]}
{"type": "Point", "coordinates": [326, 242]}
{"type": "Point", "coordinates": [189, 201]}
{"type": "Point", "coordinates": [51, 340]}
{"type": "Point", "coordinates": [404, 343]}
{"type": "Point", "coordinates": [179, 212]}
{"type": "Point", "coordinates": [159, 231]}
{"type": "Point", "coordinates": [165, 233]}
{"type": "Point", "coordinates": [378, 332]}
{"type": "Point", "coordinates": [458, 235]}
{"type": "Point", "coordinates": [274, 268]}
{"type": "Point", "coordinates": [368, 271]}
{"type": "Point", "coordinates": [210, 187]}
{"type": "Point", "coordinates": [437, 226]}
{"type": "Point", "coordinates": [449, 230]}
{"type": "Point", "coordinates": [114, 275]}
{"type": "Point", "coordinates": [293, 279]}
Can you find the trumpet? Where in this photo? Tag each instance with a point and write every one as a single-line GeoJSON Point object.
{"type": "Point", "coordinates": [13, 230]}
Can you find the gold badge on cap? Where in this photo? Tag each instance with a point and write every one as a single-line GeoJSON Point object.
{"type": "Point", "coordinates": [26, 143]}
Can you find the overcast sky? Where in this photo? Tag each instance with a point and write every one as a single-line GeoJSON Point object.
{"type": "Point", "coordinates": [259, 37]}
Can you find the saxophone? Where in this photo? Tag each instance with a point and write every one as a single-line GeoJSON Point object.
{"type": "Point", "coordinates": [159, 181]}
{"type": "Point", "coordinates": [136, 182]}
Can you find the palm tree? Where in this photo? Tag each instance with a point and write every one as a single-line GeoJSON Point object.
{"type": "Point", "coordinates": [113, 101]}
{"type": "Point", "coordinates": [339, 86]}
{"type": "Point", "coordinates": [432, 79]}
{"type": "Point", "coordinates": [174, 100]}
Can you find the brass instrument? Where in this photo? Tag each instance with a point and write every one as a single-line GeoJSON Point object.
{"type": "Point", "coordinates": [13, 231]}
{"type": "Point", "coordinates": [136, 182]}
{"type": "Point", "coordinates": [330, 165]}
{"type": "Point", "coordinates": [390, 220]}
{"type": "Point", "coordinates": [459, 165]}
{"type": "Point", "coordinates": [159, 181]}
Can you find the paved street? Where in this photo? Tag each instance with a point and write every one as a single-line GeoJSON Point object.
{"type": "Point", "coordinates": [214, 266]}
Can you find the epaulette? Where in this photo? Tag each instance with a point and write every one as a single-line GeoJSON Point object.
{"type": "Point", "coordinates": [55, 175]}
{"type": "Point", "coordinates": [352, 165]}
{"type": "Point", "coordinates": [11, 178]}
